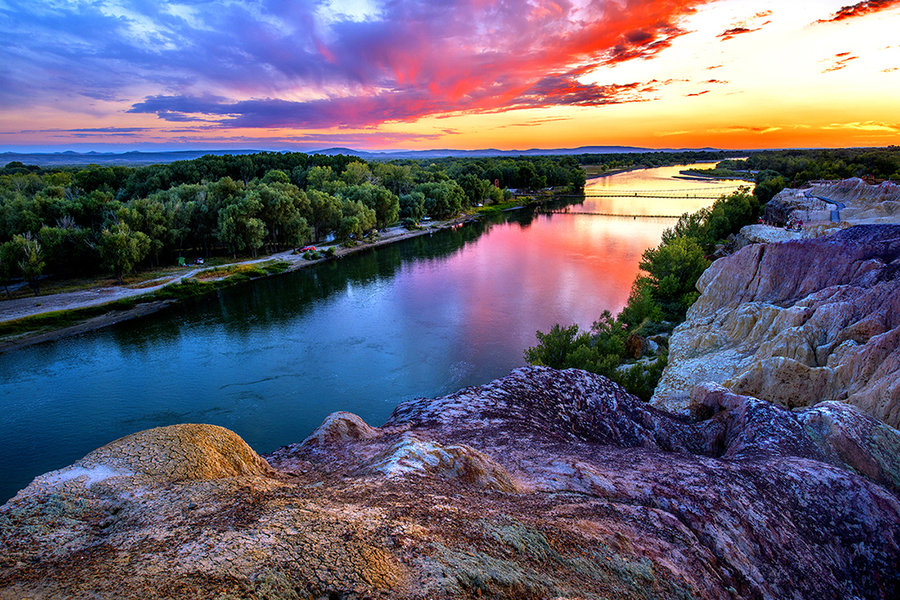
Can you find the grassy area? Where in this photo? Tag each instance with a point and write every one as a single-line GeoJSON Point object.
{"type": "Point", "coordinates": [190, 288]}
{"type": "Point", "coordinates": [60, 318]}
{"type": "Point", "coordinates": [137, 280]}
{"type": "Point", "coordinates": [495, 208]}
{"type": "Point", "coordinates": [246, 271]}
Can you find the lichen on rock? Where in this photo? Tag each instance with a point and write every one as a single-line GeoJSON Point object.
{"type": "Point", "coordinates": [541, 484]}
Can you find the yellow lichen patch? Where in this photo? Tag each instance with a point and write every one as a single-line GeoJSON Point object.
{"type": "Point", "coordinates": [178, 452]}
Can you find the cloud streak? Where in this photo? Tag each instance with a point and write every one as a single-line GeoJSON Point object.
{"type": "Point", "coordinates": [860, 9]}
{"type": "Point", "coordinates": [276, 64]}
{"type": "Point", "coordinates": [754, 23]}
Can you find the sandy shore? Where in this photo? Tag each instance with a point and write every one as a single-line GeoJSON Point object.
{"type": "Point", "coordinates": [25, 307]}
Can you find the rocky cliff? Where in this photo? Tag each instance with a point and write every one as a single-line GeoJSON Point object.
{"type": "Point", "coordinates": [863, 203]}
{"type": "Point", "coordinates": [797, 323]}
{"type": "Point", "coordinates": [542, 484]}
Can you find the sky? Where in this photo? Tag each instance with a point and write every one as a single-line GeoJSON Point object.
{"type": "Point", "coordinates": [463, 74]}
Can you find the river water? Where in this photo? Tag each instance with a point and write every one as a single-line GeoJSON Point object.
{"type": "Point", "coordinates": [270, 359]}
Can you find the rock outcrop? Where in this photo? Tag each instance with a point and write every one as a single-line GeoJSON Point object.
{"type": "Point", "coordinates": [797, 323]}
{"type": "Point", "coordinates": [542, 484]}
{"type": "Point", "coordinates": [864, 203]}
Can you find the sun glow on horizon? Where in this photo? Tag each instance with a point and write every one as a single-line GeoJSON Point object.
{"type": "Point", "coordinates": [414, 75]}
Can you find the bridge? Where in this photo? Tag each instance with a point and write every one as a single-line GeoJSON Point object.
{"type": "Point", "coordinates": [563, 211]}
{"type": "Point", "coordinates": [704, 193]}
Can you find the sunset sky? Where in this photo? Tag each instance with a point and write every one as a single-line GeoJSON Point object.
{"type": "Point", "coordinates": [415, 74]}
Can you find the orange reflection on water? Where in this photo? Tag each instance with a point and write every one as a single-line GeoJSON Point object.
{"type": "Point", "coordinates": [686, 195]}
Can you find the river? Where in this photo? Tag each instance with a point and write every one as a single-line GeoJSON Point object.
{"type": "Point", "coordinates": [270, 359]}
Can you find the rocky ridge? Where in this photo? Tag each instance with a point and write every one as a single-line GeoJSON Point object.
{"type": "Point", "coordinates": [864, 204]}
{"type": "Point", "coordinates": [797, 323]}
{"type": "Point", "coordinates": [543, 484]}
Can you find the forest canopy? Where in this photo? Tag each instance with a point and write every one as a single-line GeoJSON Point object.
{"type": "Point", "coordinates": [87, 220]}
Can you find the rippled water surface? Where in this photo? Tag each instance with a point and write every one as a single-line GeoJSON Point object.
{"type": "Point", "coordinates": [271, 359]}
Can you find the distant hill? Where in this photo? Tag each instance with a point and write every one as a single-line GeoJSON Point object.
{"type": "Point", "coordinates": [70, 158]}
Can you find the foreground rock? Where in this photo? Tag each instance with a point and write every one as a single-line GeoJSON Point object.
{"type": "Point", "coordinates": [797, 323]}
{"type": "Point", "coordinates": [542, 484]}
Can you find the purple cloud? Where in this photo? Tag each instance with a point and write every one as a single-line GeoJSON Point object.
{"type": "Point", "coordinates": [273, 63]}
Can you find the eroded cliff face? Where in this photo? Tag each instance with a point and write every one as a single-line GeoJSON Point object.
{"type": "Point", "coordinates": [797, 323]}
{"type": "Point", "coordinates": [864, 204]}
{"type": "Point", "coordinates": [541, 484]}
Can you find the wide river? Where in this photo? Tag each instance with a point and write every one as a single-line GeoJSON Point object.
{"type": "Point", "coordinates": [270, 359]}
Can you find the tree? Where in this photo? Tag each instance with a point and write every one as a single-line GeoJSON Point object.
{"type": "Point", "coordinates": [31, 260]}
{"type": "Point", "coordinates": [385, 204]}
{"type": "Point", "coordinates": [356, 173]}
{"type": "Point", "coordinates": [7, 264]}
{"type": "Point", "coordinates": [327, 212]}
{"type": "Point", "coordinates": [396, 178]}
{"type": "Point", "coordinates": [356, 219]}
{"type": "Point", "coordinates": [412, 206]}
{"type": "Point", "coordinates": [240, 228]}
{"type": "Point", "coordinates": [555, 346]}
{"type": "Point", "coordinates": [276, 176]}
{"type": "Point", "coordinates": [674, 269]}
{"type": "Point", "coordinates": [286, 212]}
{"type": "Point", "coordinates": [121, 248]}
{"type": "Point", "coordinates": [318, 176]}
{"type": "Point", "coordinates": [443, 199]}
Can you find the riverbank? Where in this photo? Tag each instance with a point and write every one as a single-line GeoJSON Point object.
{"type": "Point", "coordinates": [38, 319]}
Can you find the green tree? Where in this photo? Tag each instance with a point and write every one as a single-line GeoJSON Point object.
{"type": "Point", "coordinates": [121, 248]}
{"type": "Point", "coordinates": [285, 211]}
{"type": "Point", "coordinates": [240, 227]}
{"type": "Point", "coordinates": [674, 269]}
{"type": "Point", "coordinates": [356, 173]}
{"type": "Point", "coordinates": [327, 212]}
{"type": "Point", "coordinates": [412, 206]}
{"type": "Point", "coordinates": [356, 219]}
{"type": "Point", "coordinates": [443, 199]}
{"type": "Point", "coordinates": [31, 260]}
{"type": "Point", "coordinates": [385, 204]}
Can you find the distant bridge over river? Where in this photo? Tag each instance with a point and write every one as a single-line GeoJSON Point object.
{"type": "Point", "coordinates": [563, 211]}
{"type": "Point", "coordinates": [704, 193]}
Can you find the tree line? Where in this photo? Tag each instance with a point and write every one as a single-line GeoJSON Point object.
{"type": "Point", "coordinates": [85, 221]}
{"type": "Point", "coordinates": [777, 169]}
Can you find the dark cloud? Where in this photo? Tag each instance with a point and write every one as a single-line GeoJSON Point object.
{"type": "Point", "coordinates": [859, 9]}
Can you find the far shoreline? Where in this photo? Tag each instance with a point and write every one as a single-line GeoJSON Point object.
{"type": "Point", "coordinates": [146, 305]}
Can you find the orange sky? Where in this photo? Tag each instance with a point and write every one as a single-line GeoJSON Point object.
{"type": "Point", "coordinates": [467, 74]}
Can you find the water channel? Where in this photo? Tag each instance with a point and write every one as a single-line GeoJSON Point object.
{"type": "Point", "coordinates": [270, 359]}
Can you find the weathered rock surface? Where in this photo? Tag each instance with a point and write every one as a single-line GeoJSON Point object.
{"type": "Point", "coordinates": [864, 203]}
{"type": "Point", "coordinates": [542, 484]}
{"type": "Point", "coordinates": [797, 323]}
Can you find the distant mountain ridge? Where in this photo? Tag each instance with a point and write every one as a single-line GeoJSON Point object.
{"type": "Point", "coordinates": [137, 157]}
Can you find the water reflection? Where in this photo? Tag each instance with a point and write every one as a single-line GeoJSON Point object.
{"type": "Point", "coordinates": [272, 358]}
